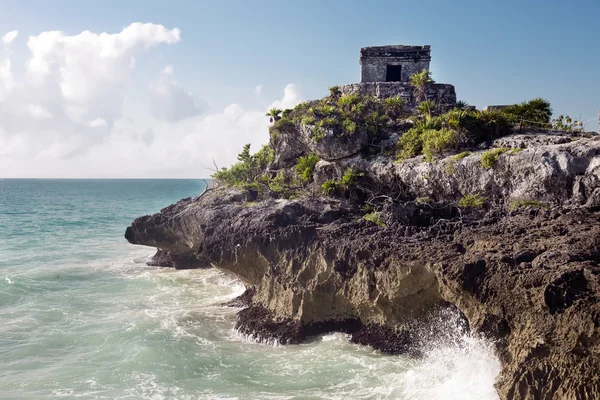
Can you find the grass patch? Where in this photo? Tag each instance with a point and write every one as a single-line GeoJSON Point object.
{"type": "Point", "coordinates": [462, 155]}
{"type": "Point", "coordinates": [374, 218]}
{"type": "Point", "coordinates": [472, 201]}
{"type": "Point", "coordinates": [516, 150]}
{"type": "Point", "coordinates": [423, 200]}
{"type": "Point", "coordinates": [489, 158]}
{"type": "Point", "coordinates": [516, 204]}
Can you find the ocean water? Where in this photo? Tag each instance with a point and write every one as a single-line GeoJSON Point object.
{"type": "Point", "coordinates": [83, 317]}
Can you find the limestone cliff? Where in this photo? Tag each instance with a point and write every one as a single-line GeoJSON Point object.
{"type": "Point", "coordinates": [520, 261]}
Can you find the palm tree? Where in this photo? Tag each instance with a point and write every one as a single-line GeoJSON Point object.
{"type": "Point", "coordinates": [274, 114]}
{"type": "Point", "coordinates": [421, 82]}
{"type": "Point", "coordinates": [461, 105]}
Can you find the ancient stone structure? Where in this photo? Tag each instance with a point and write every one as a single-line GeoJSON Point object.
{"type": "Point", "coordinates": [386, 71]}
{"type": "Point", "coordinates": [392, 63]}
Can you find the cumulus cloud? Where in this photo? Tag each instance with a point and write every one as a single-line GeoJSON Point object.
{"type": "Point", "coordinates": [291, 98]}
{"type": "Point", "coordinates": [73, 87]}
{"type": "Point", "coordinates": [9, 37]}
{"type": "Point", "coordinates": [65, 117]}
{"type": "Point", "coordinates": [170, 100]}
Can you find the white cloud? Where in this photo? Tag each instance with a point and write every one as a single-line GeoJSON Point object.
{"type": "Point", "coordinates": [170, 101]}
{"type": "Point", "coordinates": [8, 38]}
{"type": "Point", "coordinates": [98, 122]}
{"type": "Point", "coordinates": [65, 117]}
{"type": "Point", "coordinates": [291, 98]}
{"type": "Point", "coordinates": [73, 87]}
{"type": "Point", "coordinates": [37, 111]}
{"type": "Point", "coordinates": [258, 90]}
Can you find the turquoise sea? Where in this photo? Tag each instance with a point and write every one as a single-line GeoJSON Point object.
{"type": "Point", "coordinates": [83, 317]}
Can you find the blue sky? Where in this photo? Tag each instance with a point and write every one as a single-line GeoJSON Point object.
{"type": "Point", "coordinates": [493, 52]}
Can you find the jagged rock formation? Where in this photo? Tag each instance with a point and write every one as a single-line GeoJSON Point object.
{"type": "Point", "coordinates": [527, 278]}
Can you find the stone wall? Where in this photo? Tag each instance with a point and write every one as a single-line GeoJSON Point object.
{"type": "Point", "coordinates": [443, 95]}
{"type": "Point", "coordinates": [374, 61]}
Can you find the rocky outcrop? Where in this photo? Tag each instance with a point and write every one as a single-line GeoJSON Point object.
{"type": "Point", "coordinates": [529, 279]}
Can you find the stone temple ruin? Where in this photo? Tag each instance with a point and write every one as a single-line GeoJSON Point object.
{"type": "Point", "coordinates": [385, 71]}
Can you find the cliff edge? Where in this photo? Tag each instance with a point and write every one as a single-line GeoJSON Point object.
{"type": "Point", "coordinates": [351, 225]}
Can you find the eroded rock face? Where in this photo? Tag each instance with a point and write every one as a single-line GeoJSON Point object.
{"type": "Point", "coordinates": [550, 169]}
{"type": "Point", "coordinates": [528, 279]}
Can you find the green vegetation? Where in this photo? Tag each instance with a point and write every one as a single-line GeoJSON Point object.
{"type": "Point", "coordinates": [305, 166]}
{"type": "Point", "coordinates": [567, 124]}
{"type": "Point", "coordinates": [516, 204]}
{"type": "Point", "coordinates": [421, 81]}
{"type": "Point", "coordinates": [489, 158]}
{"type": "Point", "coordinates": [461, 155]}
{"type": "Point", "coordinates": [472, 201]}
{"type": "Point", "coordinates": [345, 185]}
{"type": "Point", "coordinates": [423, 200]}
{"type": "Point", "coordinates": [281, 184]}
{"type": "Point", "coordinates": [461, 105]}
{"type": "Point", "coordinates": [434, 136]}
{"type": "Point", "coordinates": [274, 114]}
{"type": "Point", "coordinates": [436, 142]}
{"type": "Point", "coordinates": [516, 150]}
{"type": "Point", "coordinates": [284, 124]}
{"type": "Point", "coordinates": [342, 114]}
{"type": "Point", "coordinates": [335, 92]}
{"type": "Point", "coordinates": [374, 218]}
{"type": "Point", "coordinates": [248, 171]}
{"type": "Point", "coordinates": [536, 113]}
{"type": "Point", "coordinates": [395, 106]}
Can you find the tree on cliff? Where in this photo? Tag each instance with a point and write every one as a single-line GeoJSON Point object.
{"type": "Point", "coordinates": [421, 82]}
{"type": "Point", "coordinates": [274, 114]}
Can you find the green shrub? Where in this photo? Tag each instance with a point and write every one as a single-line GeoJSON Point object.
{"type": "Point", "coordinates": [350, 178]}
{"type": "Point", "coordinates": [305, 166]}
{"type": "Point", "coordinates": [349, 100]}
{"type": "Point", "coordinates": [318, 134]}
{"type": "Point", "coordinates": [435, 142]}
{"type": "Point", "coordinates": [248, 171]}
{"type": "Point", "coordinates": [424, 108]}
{"type": "Point", "coordinates": [472, 201]}
{"type": "Point", "coordinates": [374, 218]}
{"type": "Point", "coordinates": [329, 187]}
{"type": "Point", "coordinates": [395, 106]}
{"type": "Point", "coordinates": [345, 185]}
{"type": "Point", "coordinates": [567, 124]}
{"type": "Point", "coordinates": [282, 125]}
{"type": "Point", "coordinates": [516, 204]}
{"type": "Point", "coordinates": [536, 112]}
{"type": "Point", "coordinates": [335, 92]}
{"type": "Point", "coordinates": [462, 155]}
{"type": "Point", "coordinates": [410, 144]}
{"type": "Point", "coordinates": [349, 126]}
{"type": "Point", "coordinates": [308, 120]}
{"type": "Point", "coordinates": [281, 183]}
{"type": "Point", "coordinates": [516, 150]}
{"type": "Point", "coordinates": [489, 158]}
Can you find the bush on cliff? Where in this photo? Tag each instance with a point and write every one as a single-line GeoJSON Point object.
{"type": "Point", "coordinates": [472, 201]}
{"type": "Point", "coordinates": [305, 166]}
{"type": "Point", "coordinates": [344, 114]}
{"type": "Point", "coordinates": [345, 186]}
{"type": "Point", "coordinates": [248, 171]}
{"type": "Point", "coordinates": [448, 132]}
{"type": "Point", "coordinates": [489, 158]}
{"type": "Point", "coordinates": [535, 113]}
